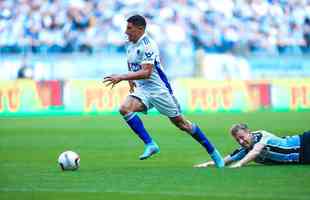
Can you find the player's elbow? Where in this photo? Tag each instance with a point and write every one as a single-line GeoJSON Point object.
{"type": "Point", "coordinates": [147, 71]}
{"type": "Point", "coordinates": [147, 74]}
{"type": "Point", "coordinates": [257, 150]}
{"type": "Point", "coordinates": [255, 153]}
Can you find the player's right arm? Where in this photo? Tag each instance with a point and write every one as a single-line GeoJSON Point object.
{"type": "Point", "coordinates": [131, 83]}
{"type": "Point", "coordinates": [147, 63]}
{"type": "Point", "coordinates": [143, 73]}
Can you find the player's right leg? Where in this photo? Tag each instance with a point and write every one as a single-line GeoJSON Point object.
{"type": "Point", "coordinates": [128, 110]}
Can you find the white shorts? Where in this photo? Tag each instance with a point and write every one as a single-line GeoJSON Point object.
{"type": "Point", "coordinates": [164, 102]}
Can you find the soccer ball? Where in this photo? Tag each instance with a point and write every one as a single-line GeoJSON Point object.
{"type": "Point", "coordinates": [69, 160]}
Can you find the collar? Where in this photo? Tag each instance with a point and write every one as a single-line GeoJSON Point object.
{"type": "Point", "coordinates": [144, 34]}
{"type": "Point", "coordinates": [256, 137]}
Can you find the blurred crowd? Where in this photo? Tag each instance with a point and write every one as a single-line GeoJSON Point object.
{"type": "Point", "coordinates": [239, 26]}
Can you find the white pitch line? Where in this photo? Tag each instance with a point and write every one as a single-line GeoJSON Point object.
{"type": "Point", "coordinates": [244, 196]}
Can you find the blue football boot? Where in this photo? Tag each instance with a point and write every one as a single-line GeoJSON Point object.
{"type": "Point", "coordinates": [217, 158]}
{"type": "Point", "coordinates": [150, 149]}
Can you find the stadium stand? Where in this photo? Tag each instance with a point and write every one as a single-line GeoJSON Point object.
{"type": "Point", "coordinates": [239, 26]}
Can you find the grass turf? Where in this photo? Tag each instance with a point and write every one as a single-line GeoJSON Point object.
{"type": "Point", "coordinates": [110, 168]}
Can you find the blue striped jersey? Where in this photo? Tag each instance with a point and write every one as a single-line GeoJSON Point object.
{"type": "Point", "coordinates": [277, 150]}
{"type": "Point", "coordinates": [145, 51]}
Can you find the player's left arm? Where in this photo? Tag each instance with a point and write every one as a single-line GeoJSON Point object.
{"type": "Point", "coordinates": [235, 156]}
{"type": "Point", "coordinates": [250, 156]}
{"type": "Point", "coordinates": [227, 161]}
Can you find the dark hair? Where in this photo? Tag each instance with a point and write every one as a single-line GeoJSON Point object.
{"type": "Point", "coordinates": [236, 127]}
{"type": "Point", "coordinates": [137, 20]}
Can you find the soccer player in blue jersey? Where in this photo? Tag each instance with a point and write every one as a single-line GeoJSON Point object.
{"type": "Point", "coordinates": [149, 88]}
{"type": "Point", "coordinates": [266, 148]}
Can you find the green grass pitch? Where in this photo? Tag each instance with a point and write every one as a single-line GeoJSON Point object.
{"type": "Point", "coordinates": [110, 169]}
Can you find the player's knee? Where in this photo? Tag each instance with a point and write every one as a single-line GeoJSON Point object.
{"type": "Point", "coordinates": [124, 110]}
{"type": "Point", "coordinates": [184, 127]}
{"type": "Point", "coordinates": [182, 124]}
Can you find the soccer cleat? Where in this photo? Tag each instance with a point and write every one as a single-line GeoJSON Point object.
{"type": "Point", "coordinates": [217, 158]}
{"type": "Point", "coordinates": [150, 149]}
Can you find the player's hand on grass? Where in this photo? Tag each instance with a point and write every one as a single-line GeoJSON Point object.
{"type": "Point", "coordinates": [112, 80]}
{"type": "Point", "coordinates": [235, 165]}
{"type": "Point", "coordinates": [205, 164]}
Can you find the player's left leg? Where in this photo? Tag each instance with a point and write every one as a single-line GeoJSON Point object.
{"type": "Point", "coordinates": [193, 130]}
{"type": "Point", "coordinates": [168, 105]}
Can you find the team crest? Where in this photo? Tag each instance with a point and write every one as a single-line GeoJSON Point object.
{"type": "Point", "coordinates": [148, 54]}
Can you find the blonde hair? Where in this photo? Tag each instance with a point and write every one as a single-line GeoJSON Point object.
{"type": "Point", "coordinates": [236, 127]}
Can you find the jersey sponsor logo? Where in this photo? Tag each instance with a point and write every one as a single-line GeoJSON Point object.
{"type": "Point", "coordinates": [135, 66]}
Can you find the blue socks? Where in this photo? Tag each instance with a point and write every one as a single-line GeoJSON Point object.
{"type": "Point", "coordinates": [137, 126]}
{"type": "Point", "coordinates": [200, 137]}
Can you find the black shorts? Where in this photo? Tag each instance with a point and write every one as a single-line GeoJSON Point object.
{"type": "Point", "coordinates": [305, 148]}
